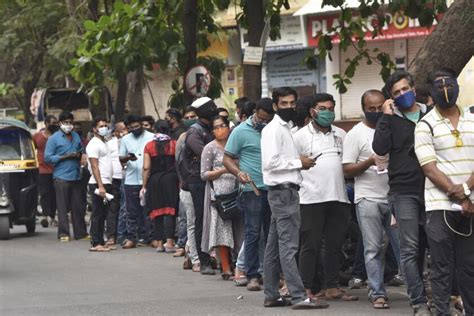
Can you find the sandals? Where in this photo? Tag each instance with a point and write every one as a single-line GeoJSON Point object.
{"type": "Point", "coordinates": [99, 248]}
{"type": "Point", "coordinates": [241, 281]}
{"type": "Point", "coordinates": [227, 276]}
{"type": "Point", "coordinates": [380, 303]}
{"type": "Point", "coordinates": [341, 296]}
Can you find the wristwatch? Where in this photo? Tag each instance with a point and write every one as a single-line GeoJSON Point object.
{"type": "Point", "coordinates": [467, 191]}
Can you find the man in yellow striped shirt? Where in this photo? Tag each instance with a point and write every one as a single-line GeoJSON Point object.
{"type": "Point", "coordinates": [444, 145]}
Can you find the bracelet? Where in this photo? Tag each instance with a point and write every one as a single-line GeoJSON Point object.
{"type": "Point", "coordinates": [239, 173]}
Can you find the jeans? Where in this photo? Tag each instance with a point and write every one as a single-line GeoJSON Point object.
{"type": "Point", "coordinates": [450, 252]}
{"type": "Point", "coordinates": [282, 245]}
{"type": "Point", "coordinates": [328, 219]}
{"type": "Point", "coordinates": [257, 215]}
{"type": "Point", "coordinates": [197, 190]}
{"type": "Point", "coordinates": [122, 216]}
{"type": "Point", "coordinates": [112, 216]}
{"type": "Point", "coordinates": [68, 197]}
{"type": "Point", "coordinates": [409, 211]}
{"type": "Point", "coordinates": [135, 215]}
{"type": "Point", "coordinates": [375, 218]}
{"type": "Point", "coordinates": [182, 229]}
{"type": "Point", "coordinates": [187, 200]}
{"type": "Point", "coordinates": [100, 210]}
{"type": "Point", "coordinates": [47, 194]}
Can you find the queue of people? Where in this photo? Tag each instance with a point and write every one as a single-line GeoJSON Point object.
{"type": "Point", "coordinates": [266, 198]}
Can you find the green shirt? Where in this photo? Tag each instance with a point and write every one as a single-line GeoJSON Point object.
{"type": "Point", "coordinates": [413, 116]}
{"type": "Point", "coordinates": [244, 144]}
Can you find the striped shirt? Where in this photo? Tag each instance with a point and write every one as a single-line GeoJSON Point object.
{"type": "Point", "coordinates": [438, 144]}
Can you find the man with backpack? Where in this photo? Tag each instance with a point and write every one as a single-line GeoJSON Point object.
{"type": "Point", "coordinates": [198, 135]}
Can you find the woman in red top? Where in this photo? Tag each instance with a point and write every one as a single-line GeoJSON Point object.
{"type": "Point", "coordinates": [161, 190]}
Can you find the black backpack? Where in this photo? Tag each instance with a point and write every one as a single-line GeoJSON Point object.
{"type": "Point", "coordinates": [188, 164]}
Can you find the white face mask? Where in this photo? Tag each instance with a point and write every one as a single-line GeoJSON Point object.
{"type": "Point", "coordinates": [66, 128]}
{"type": "Point", "coordinates": [103, 131]}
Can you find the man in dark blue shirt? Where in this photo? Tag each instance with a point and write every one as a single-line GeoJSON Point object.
{"type": "Point", "coordinates": [64, 152]}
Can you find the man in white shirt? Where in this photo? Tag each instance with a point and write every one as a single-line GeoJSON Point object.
{"type": "Point", "coordinates": [371, 189]}
{"type": "Point", "coordinates": [325, 209]}
{"type": "Point", "coordinates": [100, 166]}
{"type": "Point", "coordinates": [281, 165]}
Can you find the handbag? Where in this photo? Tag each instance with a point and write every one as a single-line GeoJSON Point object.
{"type": "Point", "coordinates": [226, 205]}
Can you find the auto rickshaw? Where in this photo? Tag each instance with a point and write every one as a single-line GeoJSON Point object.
{"type": "Point", "coordinates": [18, 177]}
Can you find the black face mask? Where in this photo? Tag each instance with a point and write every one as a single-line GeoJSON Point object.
{"type": "Point", "coordinates": [445, 97]}
{"type": "Point", "coordinates": [53, 128]}
{"type": "Point", "coordinates": [137, 132]}
{"type": "Point", "coordinates": [288, 114]}
{"type": "Point", "coordinates": [373, 117]}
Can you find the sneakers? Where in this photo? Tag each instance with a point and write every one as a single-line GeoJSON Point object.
{"type": "Point", "coordinates": [280, 302]}
{"type": "Point", "coordinates": [207, 270]}
{"type": "Point", "coordinates": [310, 304]}
{"type": "Point", "coordinates": [396, 281]}
{"type": "Point", "coordinates": [355, 284]}
{"type": "Point", "coordinates": [421, 310]}
{"type": "Point", "coordinates": [44, 222]}
{"type": "Point", "coordinates": [86, 238]}
{"type": "Point", "coordinates": [254, 285]}
{"type": "Point", "coordinates": [64, 239]}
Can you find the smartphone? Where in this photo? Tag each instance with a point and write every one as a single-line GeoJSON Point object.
{"type": "Point", "coordinates": [254, 188]}
{"type": "Point", "coordinates": [317, 156]}
{"type": "Point", "coordinates": [132, 155]}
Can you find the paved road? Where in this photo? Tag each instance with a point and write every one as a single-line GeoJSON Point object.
{"type": "Point", "coordinates": [40, 276]}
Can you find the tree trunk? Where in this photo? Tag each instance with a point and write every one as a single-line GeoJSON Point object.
{"type": "Point", "coordinates": [253, 74]}
{"type": "Point", "coordinates": [450, 45]}
{"type": "Point", "coordinates": [121, 98]}
{"type": "Point", "coordinates": [93, 6]}
{"type": "Point", "coordinates": [136, 102]}
{"type": "Point", "coordinates": [190, 37]}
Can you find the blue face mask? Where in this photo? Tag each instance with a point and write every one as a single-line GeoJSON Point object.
{"type": "Point", "coordinates": [406, 100]}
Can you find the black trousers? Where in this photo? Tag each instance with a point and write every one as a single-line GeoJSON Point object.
{"type": "Point", "coordinates": [450, 252]}
{"type": "Point", "coordinates": [164, 227]}
{"type": "Point", "coordinates": [112, 215]}
{"type": "Point", "coordinates": [100, 209]}
{"type": "Point", "coordinates": [198, 190]}
{"type": "Point", "coordinates": [329, 219]}
{"type": "Point", "coordinates": [68, 197]}
{"type": "Point", "coordinates": [47, 194]}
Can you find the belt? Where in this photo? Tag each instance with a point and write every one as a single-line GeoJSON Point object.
{"type": "Point", "coordinates": [283, 186]}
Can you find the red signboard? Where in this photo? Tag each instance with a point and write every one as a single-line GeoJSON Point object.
{"type": "Point", "coordinates": [399, 26]}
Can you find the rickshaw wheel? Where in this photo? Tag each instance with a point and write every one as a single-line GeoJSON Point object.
{"type": "Point", "coordinates": [4, 227]}
{"type": "Point", "coordinates": [31, 226]}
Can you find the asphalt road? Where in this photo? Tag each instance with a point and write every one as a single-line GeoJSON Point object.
{"type": "Point", "coordinates": [40, 276]}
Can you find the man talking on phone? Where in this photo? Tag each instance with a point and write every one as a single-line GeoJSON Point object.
{"type": "Point", "coordinates": [131, 154]}
{"type": "Point", "coordinates": [64, 152]}
{"type": "Point", "coordinates": [325, 209]}
{"type": "Point", "coordinates": [281, 165]}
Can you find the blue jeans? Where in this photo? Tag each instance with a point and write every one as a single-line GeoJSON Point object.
{"type": "Point", "coordinates": [375, 218]}
{"type": "Point", "coordinates": [135, 215]}
{"type": "Point", "coordinates": [122, 218]}
{"type": "Point", "coordinates": [257, 214]}
{"type": "Point", "coordinates": [409, 210]}
{"type": "Point", "coordinates": [182, 226]}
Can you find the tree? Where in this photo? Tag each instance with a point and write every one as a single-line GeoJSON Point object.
{"type": "Point", "coordinates": [444, 47]}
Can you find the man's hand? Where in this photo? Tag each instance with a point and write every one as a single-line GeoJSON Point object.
{"type": "Point", "coordinates": [102, 191]}
{"type": "Point", "coordinates": [456, 192]}
{"type": "Point", "coordinates": [371, 160]}
{"type": "Point", "coordinates": [388, 107]}
{"type": "Point", "coordinates": [307, 162]}
{"type": "Point", "coordinates": [132, 157]}
{"type": "Point", "coordinates": [244, 177]}
{"type": "Point", "coordinates": [467, 208]}
{"type": "Point", "coordinates": [71, 156]}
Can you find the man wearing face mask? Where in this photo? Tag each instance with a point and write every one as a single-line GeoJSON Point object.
{"type": "Point", "coordinates": [325, 209]}
{"type": "Point", "coordinates": [131, 154]}
{"type": "Point", "coordinates": [443, 145]}
{"type": "Point", "coordinates": [281, 166]}
{"type": "Point", "coordinates": [394, 135]}
{"type": "Point", "coordinates": [64, 152]}
{"type": "Point", "coordinates": [198, 136]}
{"type": "Point", "coordinates": [45, 176]}
{"type": "Point", "coordinates": [244, 144]}
{"type": "Point", "coordinates": [371, 190]}
{"type": "Point", "coordinates": [100, 183]}
{"type": "Point", "coordinates": [173, 117]}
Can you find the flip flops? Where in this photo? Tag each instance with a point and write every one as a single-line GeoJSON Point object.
{"type": "Point", "coordinates": [380, 303]}
{"type": "Point", "coordinates": [341, 296]}
{"type": "Point", "coordinates": [99, 248]}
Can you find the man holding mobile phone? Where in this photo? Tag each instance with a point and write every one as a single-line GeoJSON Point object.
{"type": "Point", "coordinates": [325, 208]}
{"type": "Point", "coordinates": [64, 152]}
{"type": "Point", "coordinates": [244, 144]}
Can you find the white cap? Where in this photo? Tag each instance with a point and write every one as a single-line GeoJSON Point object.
{"type": "Point", "coordinates": [200, 102]}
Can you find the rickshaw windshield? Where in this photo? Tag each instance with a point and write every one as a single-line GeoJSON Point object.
{"type": "Point", "coordinates": [15, 145]}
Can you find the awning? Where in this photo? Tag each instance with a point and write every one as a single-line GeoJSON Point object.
{"type": "Point", "coordinates": [315, 6]}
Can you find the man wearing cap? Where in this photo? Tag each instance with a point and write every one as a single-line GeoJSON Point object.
{"type": "Point", "coordinates": [198, 135]}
